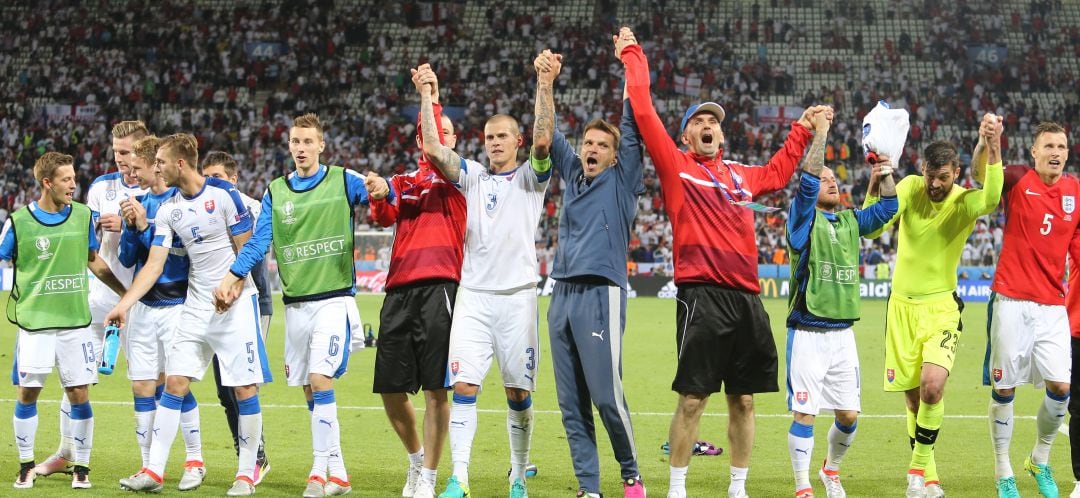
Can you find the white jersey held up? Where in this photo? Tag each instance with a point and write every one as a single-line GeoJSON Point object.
{"type": "Point", "coordinates": [503, 211]}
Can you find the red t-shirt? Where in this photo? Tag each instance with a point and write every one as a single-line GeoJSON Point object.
{"type": "Point", "coordinates": [1040, 224]}
{"type": "Point", "coordinates": [429, 243]}
{"type": "Point", "coordinates": [714, 239]}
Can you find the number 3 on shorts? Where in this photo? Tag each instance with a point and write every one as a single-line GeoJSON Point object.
{"type": "Point", "coordinates": [947, 336]}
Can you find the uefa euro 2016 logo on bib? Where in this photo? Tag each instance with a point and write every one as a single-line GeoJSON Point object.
{"type": "Point", "coordinates": [289, 209]}
{"type": "Point", "coordinates": [289, 255]}
{"type": "Point", "coordinates": [42, 244]}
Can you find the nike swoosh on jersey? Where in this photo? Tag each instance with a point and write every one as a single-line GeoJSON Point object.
{"type": "Point", "coordinates": [1029, 192]}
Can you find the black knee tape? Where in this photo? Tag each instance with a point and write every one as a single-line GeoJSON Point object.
{"type": "Point", "coordinates": [925, 436]}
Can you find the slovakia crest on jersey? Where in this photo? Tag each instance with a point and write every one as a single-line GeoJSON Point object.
{"type": "Point", "coordinates": [209, 205]}
{"type": "Point", "coordinates": [801, 397]}
{"type": "Point", "coordinates": [997, 375]}
{"type": "Point", "coordinates": [1068, 203]}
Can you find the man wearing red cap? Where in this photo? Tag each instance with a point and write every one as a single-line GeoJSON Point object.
{"type": "Point", "coordinates": [723, 336]}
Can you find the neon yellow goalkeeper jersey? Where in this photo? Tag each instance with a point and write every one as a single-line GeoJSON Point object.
{"type": "Point", "coordinates": [932, 234]}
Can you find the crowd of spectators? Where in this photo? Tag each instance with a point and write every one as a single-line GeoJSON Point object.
{"type": "Point", "coordinates": [341, 59]}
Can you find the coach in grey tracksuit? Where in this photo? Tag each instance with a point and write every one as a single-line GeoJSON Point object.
{"type": "Point", "coordinates": [588, 305]}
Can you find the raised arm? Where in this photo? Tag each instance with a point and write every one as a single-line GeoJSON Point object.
{"type": "Point", "coordinates": [804, 206]}
{"type": "Point", "coordinates": [443, 157]}
{"type": "Point", "coordinates": [547, 66]}
{"type": "Point", "coordinates": [782, 165]}
{"type": "Point", "coordinates": [985, 200]}
{"type": "Point", "coordinates": [879, 214]}
{"type": "Point", "coordinates": [631, 162]}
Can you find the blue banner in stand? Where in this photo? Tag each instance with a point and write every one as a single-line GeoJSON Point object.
{"type": "Point", "coordinates": [988, 55]}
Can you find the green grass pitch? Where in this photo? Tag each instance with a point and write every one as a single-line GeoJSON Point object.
{"type": "Point", "coordinates": [874, 467]}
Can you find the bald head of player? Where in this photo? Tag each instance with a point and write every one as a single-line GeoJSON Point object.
{"type": "Point", "coordinates": [448, 136]}
{"type": "Point", "coordinates": [502, 139]}
{"type": "Point", "coordinates": [828, 197]}
{"type": "Point", "coordinates": [306, 143]}
{"type": "Point", "coordinates": [941, 167]}
{"type": "Point", "coordinates": [1050, 150]}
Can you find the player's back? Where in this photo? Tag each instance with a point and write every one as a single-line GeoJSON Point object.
{"type": "Point", "coordinates": [1039, 226]}
{"type": "Point", "coordinates": [503, 211]}
{"type": "Point", "coordinates": [205, 223]}
{"type": "Point", "coordinates": [171, 286]}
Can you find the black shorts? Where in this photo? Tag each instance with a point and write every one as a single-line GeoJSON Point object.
{"type": "Point", "coordinates": [414, 337]}
{"type": "Point", "coordinates": [723, 339]}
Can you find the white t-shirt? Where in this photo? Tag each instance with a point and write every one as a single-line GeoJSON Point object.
{"type": "Point", "coordinates": [103, 197]}
{"type": "Point", "coordinates": [885, 130]}
{"type": "Point", "coordinates": [205, 225]}
{"type": "Point", "coordinates": [503, 212]}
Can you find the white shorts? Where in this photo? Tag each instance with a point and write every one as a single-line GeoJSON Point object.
{"type": "Point", "coordinates": [502, 326]}
{"type": "Point", "coordinates": [147, 337]}
{"type": "Point", "coordinates": [233, 336]}
{"type": "Point", "coordinates": [318, 335]}
{"type": "Point", "coordinates": [823, 371]}
{"type": "Point", "coordinates": [1029, 343]}
{"type": "Point", "coordinates": [73, 352]}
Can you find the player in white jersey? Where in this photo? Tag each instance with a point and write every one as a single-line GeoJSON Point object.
{"type": "Point", "coordinates": [154, 318]}
{"type": "Point", "coordinates": [103, 198]}
{"type": "Point", "coordinates": [211, 221]}
{"type": "Point", "coordinates": [495, 313]}
{"type": "Point", "coordinates": [222, 166]}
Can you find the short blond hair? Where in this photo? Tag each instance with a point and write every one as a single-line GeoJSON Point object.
{"type": "Point", "coordinates": [126, 129]}
{"type": "Point", "coordinates": [182, 146]}
{"type": "Point", "coordinates": [146, 148]}
{"type": "Point", "coordinates": [309, 120]}
{"type": "Point", "coordinates": [48, 163]}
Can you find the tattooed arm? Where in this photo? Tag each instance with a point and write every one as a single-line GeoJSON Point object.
{"type": "Point", "coordinates": [815, 158]}
{"type": "Point", "coordinates": [443, 157]}
{"type": "Point", "coordinates": [547, 67]}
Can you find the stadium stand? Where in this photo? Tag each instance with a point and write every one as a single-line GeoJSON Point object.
{"type": "Point", "coordinates": [238, 70]}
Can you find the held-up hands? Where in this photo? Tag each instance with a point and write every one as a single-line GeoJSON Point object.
{"type": "Point", "coordinates": [424, 75]}
{"type": "Point", "coordinates": [990, 129]}
{"type": "Point", "coordinates": [547, 66]}
{"type": "Point", "coordinates": [376, 186]}
{"type": "Point", "coordinates": [817, 118]}
{"type": "Point", "coordinates": [624, 39]}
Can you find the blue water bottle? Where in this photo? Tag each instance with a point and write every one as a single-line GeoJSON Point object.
{"type": "Point", "coordinates": [111, 349]}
